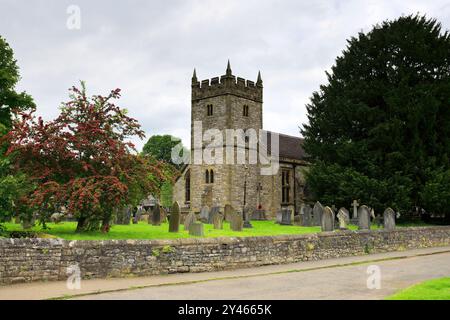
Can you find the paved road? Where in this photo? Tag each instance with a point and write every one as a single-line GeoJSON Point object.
{"type": "Point", "coordinates": [338, 282]}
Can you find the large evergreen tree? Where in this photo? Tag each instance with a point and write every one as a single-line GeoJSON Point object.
{"type": "Point", "coordinates": [380, 127]}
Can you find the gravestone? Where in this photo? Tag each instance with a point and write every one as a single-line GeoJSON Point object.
{"type": "Point", "coordinates": [363, 218]}
{"type": "Point", "coordinates": [355, 205]}
{"type": "Point", "coordinates": [306, 213]}
{"type": "Point", "coordinates": [156, 215]}
{"type": "Point", "coordinates": [286, 217]}
{"type": "Point", "coordinates": [196, 229]}
{"type": "Point", "coordinates": [212, 213]}
{"type": "Point", "coordinates": [163, 214]}
{"type": "Point", "coordinates": [389, 219]}
{"type": "Point", "coordinates": [247, 223]}
{"type": "Point", "coordinates": [298, 220]}
{"type": "Point", "coordinates": [228, 211]}
{"type": "Point", "coordinates": [124, 215]}
{"type": "Point", "coordinates": [174, 220]}
{"type": "Point", "coordinates": [344, 218]}
{"type": "Point", "coordinates": [190, 219]}
{"type": "Point", "coordinates": [327, 222]}
{"type": "Point", "coordinates": [218, 221]}
{"type": "Point", "coordinates": [278, 216]}
{"type": "Point", "coordinates": [258, 214]}
{"type": "Point", "coordinates": [346, 214]}
{"type": "Point", "coordinates": [236, 222]}
{"type": "Point", "coordinates": [136, 215]}
{"type": "Point", "coordinates": [204, 214]}
{"type": "Point", "coordinates": [317, 214]}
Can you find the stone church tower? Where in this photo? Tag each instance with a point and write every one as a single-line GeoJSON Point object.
{"type": "Point", "coordinates": [222, 103]}
{"type": "Point", "coordinates": [230, 102]}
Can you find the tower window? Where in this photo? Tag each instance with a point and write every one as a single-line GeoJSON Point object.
{"type": "Point", "coordinates": [285, 187]}
{"type": "Point", "coordinates": [209, 176]}
{"type": "Point", "coordinates": [245, 111]}
{"type": "Point", "coordinates": [209, 109]}
{"type": "Point", "coordinates": [187, 182]}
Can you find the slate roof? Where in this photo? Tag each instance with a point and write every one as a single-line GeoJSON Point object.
{"type": "Point", "coordinates": [290, 147]}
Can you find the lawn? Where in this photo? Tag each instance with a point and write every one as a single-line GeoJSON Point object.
{"type": "Point", "coordinates": [437, 289]}
{"type": "Point", "coordinates": [143, 230]}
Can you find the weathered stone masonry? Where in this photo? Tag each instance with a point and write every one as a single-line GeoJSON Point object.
{"type": "Point", "coordinates": [25, 260]}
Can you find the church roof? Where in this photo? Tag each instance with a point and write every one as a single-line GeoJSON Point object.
{"type": "Point", "coordinates": [290, 147]}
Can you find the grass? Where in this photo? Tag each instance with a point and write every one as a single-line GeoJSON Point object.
{"type": "Point", "coordinates": [143, 230]}
{"type": "Point", "coordinates": [437, 289]}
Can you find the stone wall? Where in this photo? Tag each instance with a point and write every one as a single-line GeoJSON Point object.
{"type": "Point", "coordinates": [24, 260]}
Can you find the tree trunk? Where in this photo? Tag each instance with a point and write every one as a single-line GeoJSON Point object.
{"type": "Point", "coordinates": [81, 225]}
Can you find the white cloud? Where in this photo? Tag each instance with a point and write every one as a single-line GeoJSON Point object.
{"type": "Point", "coordinates": [149, 49]}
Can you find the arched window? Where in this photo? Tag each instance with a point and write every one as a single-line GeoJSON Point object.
{"type": "Point", "coordinates": [211, 176]}
{"type": "Point", "coordinates": [187, 186]}
{"type": "Point", "coordinates": [207, 176]}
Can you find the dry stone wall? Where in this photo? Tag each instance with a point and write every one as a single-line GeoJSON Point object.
{"type": "Point", "coordinates": [25, 260]}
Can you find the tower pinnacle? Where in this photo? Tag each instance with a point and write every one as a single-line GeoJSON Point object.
{"type": "Point", "coordinates": [228, 72]}
{"type": "Point", "coordinates": [259, 81]}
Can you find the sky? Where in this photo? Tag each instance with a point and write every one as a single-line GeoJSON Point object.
{"type": "Point", "coordinates": [149, 49]}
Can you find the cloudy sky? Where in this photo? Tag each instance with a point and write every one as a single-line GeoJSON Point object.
{"type": "Point", "coordinates": [150, 48]}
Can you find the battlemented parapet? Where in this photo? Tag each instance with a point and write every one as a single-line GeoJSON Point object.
{"type": "Point", "coordinates": [227, 84]}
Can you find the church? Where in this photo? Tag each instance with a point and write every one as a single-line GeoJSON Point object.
{"type": "Point", "coordinates": [229, 102]}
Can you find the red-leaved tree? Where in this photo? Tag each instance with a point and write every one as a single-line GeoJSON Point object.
{"type": "Point", "coordinates": [83, 159]}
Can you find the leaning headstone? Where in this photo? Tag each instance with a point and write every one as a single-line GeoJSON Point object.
{"type": "Point", "coordinates": [156, 216]}
{"type": "Point", "coordinates": [190, 219]}
{"type": "Point", "coordinates": [218, 221]}
{"type": "Point", "coordinates": [364, 218]}
{"type": "Point", "coordinates": [344, 218]}
{"type": "Point", "coordinates": [228, 212]}
{"type": "Point", "coordinates": [214, 211]}
{"type": "Point", "coordinates": [286, 217]}
{"type": "Point", "coordinates": [327, 221]}
{"type": "Point", "coordinates": [204, 214]}
{"type": "Point", "coordinates": [174, 220]}
{"type": "Point", "coordinates": [236, 222]}
{"type": "Point", "coordinates": [346, 214]}
{"type": "Point", "coordinates": [389, 219]}
{"type": "Point", "coordinates": [317, 214]}
{"type": "Point", "coordinates": [196, 229]}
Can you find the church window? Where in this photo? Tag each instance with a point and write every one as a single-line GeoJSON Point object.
{"type": "Point", "coordinates": [187, 180]}
{"type": "Point", "coordinates": [285, 186]}
{"type": "Point", "coordinates": [209, 176]}
{"type": "Point", "coordinates": [245, 111]}
{"type": "Point", "coordinates": [209, 108]}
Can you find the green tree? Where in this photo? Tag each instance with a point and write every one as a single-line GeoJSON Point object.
{"type": "Point", "coordinates": [435, 194]}
{"type": "Point", "coordinates": [9, 76]}
{"type": "Point", "coordinates": [161, 146]}
{"type": "Point", "coordinates": [12, 187]}
{"type": "Point", "coordinates": [383, 118]}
